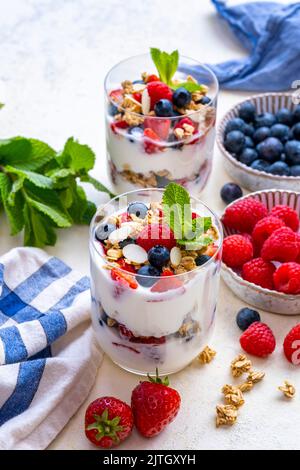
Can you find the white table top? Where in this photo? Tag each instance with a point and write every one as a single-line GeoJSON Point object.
{"type": "Point", "coordinates": [54, 55]}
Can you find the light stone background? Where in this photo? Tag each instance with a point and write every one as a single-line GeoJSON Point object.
{"type": "Point", "coordinates": [54, 55]}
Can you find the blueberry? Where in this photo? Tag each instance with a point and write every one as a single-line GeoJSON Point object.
{"type": "Point", "coordinates": [162, 181]}
{"type": "Point", "coordinates": [136, 132]}
{"type": "Point", "coordinates": [284, 116]}
{"type": "Point", "coordinates": [205, 100]}
{"type": "Point", "coordinates": [248, 156]}
{"type": "Point", "coordinates": [138, 81]}
{"type": "Point", "coordinates": [201, 259]}
{"type": "Point", "coordinates": [292, 150]}
{"type": "Point", "coordinates": [279, 168]}
{"type": "Point", "coordinates": [230, 192]}
{"type": "Point", "coordinates": [127, 241]}
{"type": "Point", "coordinates": [158, 256]}
{"type": "Point", "coordinates": [181, 97]}
{"type": "Point", "coordinates": [235, 124]}
{"type": "Point", "coordinates": [260, 165]}
{"type": "Point", "coordinates": [112, 110]}
{"type": "Point", "coordinates": [146, 275]}
{"type": "Point", "coordinates": [296, 131]}
{"type": "Point", "coordinates": [281, 131]}
{"type": "Point", "coordinates": [139, 209]}
{"type": "Point", "coordinates": [249, 130]}
{"type": "Point", "coordinates": [249, 142]}
{"type": "Point", "coordinates": [265, 120]}
{"type": "Point", "coordinates": [270, 149]}
{"type": "Point", "coordinates": [245, 317]}
{"type": "Point", "coordinates": [283, 157]}
{"type": "Point", "coordinates": [261, 134]}
{"type": "Point", "coordinates": [247, 111]}
{"type": "Point", "coordinates": [234, 141]}
{"type": "Point", "coordinates": [163, 108]}
{"type": "Point", "coordinates": [177, 145]}
{"type": "Point", "coordinates": [103, 231]}
{"type": "Point", "coordinates": [295, 170]}
{"type": "Point", "coordinates": [296, 114]}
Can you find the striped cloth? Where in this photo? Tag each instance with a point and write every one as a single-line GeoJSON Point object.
{"type": "Point", "coordinates": [48, 355]}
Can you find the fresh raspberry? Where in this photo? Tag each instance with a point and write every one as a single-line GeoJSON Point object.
{"type": "Point", "coordinates": [259, 272]}
{"type": "Point", "coordinates": [118, 125]}
{"type": "Point", "coordinates": [287, 278]}
{"type": "Point", "coordinates": [127, 267]}
{"type": "Point", "coordinates": [158, 90]}
{"type": "Point", "coordinates": [244, 214]}
{"type": "Point", "coordinates": [127, 334]}
{"type": "Point", "coordinates": [167, 272]}
{"type": "Point", "coordinates": [137, 97]}
{"type": "Point", "coordinates": [264, 228]}
{"type": "Point", "coordinates": [117, 95]}
{"type": "Point", "coordinates": [123, 279]}
{"type": "Point", "coordinates": [188, 121]}
{"type": "Point", "coordinates": [258, 340]}
{"type": "Point", "coordinates": [281, 246]}
{"type": "Point", "coordinates": [291, 345]}
{"type": "Point", "coordinates": [156, 234]}
{"type": "Point", "coordinates": [161, 127]}
{"type": "Point", "coordinates": [237, 250]}
{"type": "Point", "coordinates": [152, 78]}
{"type": "Point", "coordinates": [150, 137]}
{"type": "Point", "coordinates": [288, 215]}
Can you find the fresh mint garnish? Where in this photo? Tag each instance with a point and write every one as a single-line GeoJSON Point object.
{"type": "Point", "coordinates": [165, 63]}
{"type": "Point", "coordinates": [178, 215]}
{"type": "Point", "coordinates": [39, 188]}
{"type": "Point", "coordinates": [190, 86]}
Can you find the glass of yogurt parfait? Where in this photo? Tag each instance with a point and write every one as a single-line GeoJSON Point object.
{"type": "Point", "coordinates": [160, 125]}
{"type": "Point", "coordinates": [153, 295]}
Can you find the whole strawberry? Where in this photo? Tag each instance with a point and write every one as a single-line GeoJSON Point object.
{"type": "Point", "coordinates": [154, 405]}
{"type": "Point", "coordinates": [108, 422]}
{"type": "Point", "coordinates": [291, 345]}
{"type": "Point", "coordinates": [258, 340]}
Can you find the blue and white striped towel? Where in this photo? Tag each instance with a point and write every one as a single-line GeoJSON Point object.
{"type": "Point", "coordinates": [46, 370]}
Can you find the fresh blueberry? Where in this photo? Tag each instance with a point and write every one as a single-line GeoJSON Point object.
{"type": "Point", "coordinates": [279, 168]}
{"type": "Point", "coordinates": [112, 110]}
{"type": "Point", "coordinates": [260, 165]}
{"type": "Point", "coordinates": [248, 156]}
{"type": "Point", "coordinates": [201, 259]}
{"type": "Point", "coordinates": [103, 231]}
{"type": "Point", "coordinates": [296, 131]}
{"type": "Point", "coordinates": [281, 131]}
{"type": "Point", "coordinates": [181, 97]}
{"type": "Point", "coordinates": [127, 241]}
{"type": "Point", "coordinates": [205, 100]}
{"type": "Point", "coordinates": [292, 150]}
{"type": "Point", "coordinates": [261, 134]}
{"type": "Point", "coordinates": [163, 108]}
{"type": "Point", "coordinates": [234, 141]}
{"type": "Point", "coordinates": [249, 130]}
{"type": "Point", "coordinates": [270, 149]}
{"type": "Point", "coordinates": [230, 192]}
{"type": "Point", "coordinates": [245, 317]}
{"type": "Point", "coordinates": [139, 209]}
{"type": "Point", "coordinates": [249, 142]}
{"type": "Point", "coordinates": [158, 256]}
{"type": "Point", "coordinates": [296, 114]}
{"type": "Point", "coordinates": [162, 181]}
{"type": "Point", "coordinates": [295, 170]}
{"type": "Point", "coordinates": [283, 157]}
{"type": "Point", "coordinates": [247, 111]}
{"type": "Point", "coordinates": [265, 120]}
{"type": "Point", "coordinates": [284, 116]}
{"type": "Point", "coordinates": [135, 82]}
{"type": "Point", "coordinates": [136, 132]}
{"type": "Point", "coordinates": [146, 275]}
{"type": "Point", "coordinates": [177, 145]}
{"type": "Point", "coordinates": [235, 124]}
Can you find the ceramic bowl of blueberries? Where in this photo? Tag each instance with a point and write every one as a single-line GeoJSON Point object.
{"type": "Point", "coordinates": [253, 294]}
{"type": "Point", "coordinates": [260, 141]}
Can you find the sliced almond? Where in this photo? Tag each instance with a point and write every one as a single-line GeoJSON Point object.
{"type": "Point", "coordinates": [135, 253]}
{"type": "Point", "coordinates": [175, 256]}
{"type": "Point", "coordinates": [146, 102]}
{"type": "Point", "coordinates": [120, 234]}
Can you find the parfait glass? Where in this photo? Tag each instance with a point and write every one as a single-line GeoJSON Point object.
{"type": "Point", "coordinates": [142, 328]}
{"type": "Point", "coordinates": [135, 159]}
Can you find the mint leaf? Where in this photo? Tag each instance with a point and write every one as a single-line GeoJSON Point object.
{"type": "Point", "coordinates": [14, 213]}
{"type": "Point", "coordinates": [38, 231]}
{"type": "Point", "coordinates": [76, 156]}
{"type": "Point", "coordinates": [177, 208]}
{"type": "Point", "coordinates": [79, 206]}
{"type": "Point", "coordinates": [197, 243]}
{"type": "Point", "coordinates": [190, 86]}
{"type": "Point", "coordinates": [16, 186]}
{"type": "Point", "coordinates": [37, 179]}
{"type": "Point", "coordinates": [14, 150]}
{"type": "Point", "coordinates": [97, 185]}
{"type": "Point", "coordinates": [165, 63]}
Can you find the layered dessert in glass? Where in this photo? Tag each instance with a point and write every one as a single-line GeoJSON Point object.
{"type": "Point", "coordinates": [160, 127]}
{"type": "Point", "coordinates": [154, 290]}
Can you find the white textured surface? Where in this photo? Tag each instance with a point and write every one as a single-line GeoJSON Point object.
{"type": "Point", "coordinates": [54, 55]}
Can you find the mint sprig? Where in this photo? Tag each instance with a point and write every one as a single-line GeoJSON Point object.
{"type": "Point", "coordinates": [178, 215]}
{"type": "Point", "coordinates": [189, 86]}
{"type": "Point", "coordinates": [39, 188]}
{"type": "Point", "coordinates": [165, 63]}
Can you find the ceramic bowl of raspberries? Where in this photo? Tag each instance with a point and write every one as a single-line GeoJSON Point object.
{"type": "Point", "coordinates": [261, 250]}
{"type": "Point", "coordinates": [260, 141]}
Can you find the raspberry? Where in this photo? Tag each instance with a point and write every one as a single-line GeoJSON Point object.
{"type": "Point", "coordinates": [187, 121]}
{"type": "Point", "coordinates": [149, 138]}
{"type": "Point", "coordinates": [258, 340]}
{"type": "Point", "coordinates": [264, 228]}
{"type": "Point", "coordinates": [158, 90]}
{"type": "Point", "coordinates": [288, 215]}
{"type": "Point", "coordinates": [127, 334]}
{"type": "Point", "coordinates": [161, 127]}
{"type": "Point", "coordinates": [259, 272]}
{"type": "Point", "coordinates": [281, 246]}
{"type": "Point", "coordinates": [287, 278]}
{"type": "Point", "coordinates": [291, 345]}
{"type": "Point", "coordinates": [244, 214]}
{"type": "Point", "coordinates": [152, 78]}
{"type": "Point", "coordinates": [118, 125]}
{"type": "Point", "coordinates": [156, 234]}
{"type": "Point", "coordinates": [237, 250]}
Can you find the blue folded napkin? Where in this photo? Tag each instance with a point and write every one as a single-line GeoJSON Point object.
{"type": "Point", "coordinates": [271, 33]}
